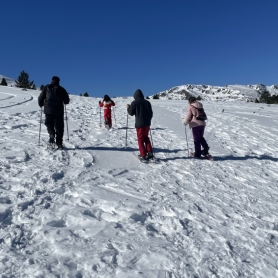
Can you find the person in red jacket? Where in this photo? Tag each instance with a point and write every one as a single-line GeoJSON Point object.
{"type": "Point", "coordinates": [107, 103]}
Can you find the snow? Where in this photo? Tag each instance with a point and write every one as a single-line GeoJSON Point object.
{"type": "Point", "coordinates": [218, 93]}
{"type": "Point", "coordinates": [93, 210]}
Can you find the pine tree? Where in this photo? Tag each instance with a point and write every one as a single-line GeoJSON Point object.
{"type": "Point", "coordinates": [23, 81]}
{"type": "Point", "coordinates": [86, 94]}
{"type": "Point", "coordinates": [4, 82]}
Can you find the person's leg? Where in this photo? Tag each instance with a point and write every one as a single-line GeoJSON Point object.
{"type": "Point", "coordinates": [59, 128]}
{"type": "Point", "coordinates": [148, 145]}
{"type": "Point", "coordinates": [110, 122]}
{"type": "Point", "coordinates": [141, 138]}
{"type": "Point", "coordinates": [49, 122]}
{"type": "Point", "coordinates": [197, 131]}
{"type": "Point", "coordinates": [203, 141]}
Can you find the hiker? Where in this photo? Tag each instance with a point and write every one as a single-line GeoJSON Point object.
{"type": "Point", "coordinates": [53, 97]}
{"type": "Point", "coordinates": [107, 104]}
{"type": "Point", "coordinates": [197, 123]}
{"type": "Point", "coordinates": [142, 109]}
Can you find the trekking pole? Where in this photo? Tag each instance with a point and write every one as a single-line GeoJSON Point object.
{"type": "Point", "coordinates": [151, 139]}
{"type": "Point", "coordinates": [67, 121]}
{"type": "Point", "coordinates": [40, 127]}
{"type": "Point", "coordinates": [114, 116]}
{"type": "Point", "coordinates": [186, 140]}
{"type": "Point", "coordinates": [126, 129]}
{"type": "Point", "coordinates": [99, 116]}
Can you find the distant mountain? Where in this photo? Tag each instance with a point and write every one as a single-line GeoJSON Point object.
{"type": "Point", "coordinates": [10, 81]}
{"type": "Point", "coordinates": [229, 92]}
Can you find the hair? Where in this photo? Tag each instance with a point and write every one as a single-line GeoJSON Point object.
{"type": "Point", "coordinates": [191, 99]}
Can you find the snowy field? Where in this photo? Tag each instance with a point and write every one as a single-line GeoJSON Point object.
{"type": "Point", "coordinates": [93, 210]}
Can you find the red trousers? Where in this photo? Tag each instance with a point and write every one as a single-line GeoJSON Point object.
{"type": "Point", "coordinates": [144, 142]}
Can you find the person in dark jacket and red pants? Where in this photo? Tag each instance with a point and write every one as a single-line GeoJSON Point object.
{"type": "Point", "coordinates": [142, 109]}
{"type": "Point", "coordinates": [107, 104]}
{"type": "Point", "coordinates": [53, 97]}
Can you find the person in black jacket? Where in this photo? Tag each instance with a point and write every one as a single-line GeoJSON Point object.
{"type": "Point", "coordinates": [142, 109]}
{"type": "Point", "coordinates": [53, 97]}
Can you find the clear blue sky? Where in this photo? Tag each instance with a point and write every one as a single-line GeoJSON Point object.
{"type": "Point", "coordinates": [117, 46]}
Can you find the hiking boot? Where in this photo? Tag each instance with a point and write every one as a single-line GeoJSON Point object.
{"type": "Point", "coordinates": [60, 147]}
{"type": "Point", "coordinates": [205, 151]}
{"type": "Point", "coordinates": [51, 139]}
{"type": "Point", "coordinates": [150, 155]}
{"type": "Point", "coordinates": [143, 159]}
{"type": "Point", "coordinates": [106, 121]}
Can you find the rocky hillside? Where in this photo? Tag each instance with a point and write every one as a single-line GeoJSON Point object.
{"type": "Point", "coordinates": [229, 92]}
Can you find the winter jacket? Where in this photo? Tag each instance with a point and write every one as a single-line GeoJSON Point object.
{"type": "Point", "coordinates": [107, 108]}
{"type": "Point", "coordinates": [142, 109]}
{"type": "Point", "coordinates": [190, 115]}
{"type": "Point", "coordinates": [53, 99]}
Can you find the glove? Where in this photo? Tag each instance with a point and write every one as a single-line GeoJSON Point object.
{"type": "Point", "coordinates": [127, 106]}
{"type": "Point", "coordinates": [184, 122]}
{"type": "Point", "coordinates": [99, 102]}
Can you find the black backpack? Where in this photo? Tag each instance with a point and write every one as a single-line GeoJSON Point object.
{"type": "Point", "coordinates": [200, 114]}
{"type": "Point", "coordinates": [53, 97]}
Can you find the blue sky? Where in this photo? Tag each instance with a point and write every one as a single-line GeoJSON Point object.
{"type": "Point", "coordinates": [117, 46]}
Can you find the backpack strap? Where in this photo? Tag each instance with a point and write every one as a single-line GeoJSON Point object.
{"type": "Point", "coordinates": [195, 108]}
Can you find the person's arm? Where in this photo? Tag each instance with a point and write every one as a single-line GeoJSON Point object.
{"type": "Point", "coordinates": [42, 97]}
{"type": "Point", "coordinates": [131, 109]}
{"type": "Point", "coordinates": [151, 110]}
{"type": "Point", "coordinates": [188, 117]}
{"type": "Point", "coordinates": [100, 103]}
{"type": "Point", "coordinates": [66, 99]}
{"type": "Point", "coordinates": [112, 103]}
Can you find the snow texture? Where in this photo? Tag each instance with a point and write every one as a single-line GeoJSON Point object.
{"type": "Point", "coordinates": [93, 210]}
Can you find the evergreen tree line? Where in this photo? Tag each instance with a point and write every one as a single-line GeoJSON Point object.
{"type": "Point", "coordinates": [21, 82]}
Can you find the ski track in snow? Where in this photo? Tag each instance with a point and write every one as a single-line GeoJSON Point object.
{"type": "Point", "coordinates": [93, 210]}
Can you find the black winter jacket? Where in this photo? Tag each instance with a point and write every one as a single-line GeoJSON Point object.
{"type": "Point", "coordinates": [55, 104]}
{"type": "Point", "coordinates": [142, 109]}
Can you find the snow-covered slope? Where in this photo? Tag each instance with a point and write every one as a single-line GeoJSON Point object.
{"type": "Point", "coordinates": [229, 92]}
{"type": "Point", "coordinates": [93, 210]}
{"type": "Point", "coordinates": [10, 81]}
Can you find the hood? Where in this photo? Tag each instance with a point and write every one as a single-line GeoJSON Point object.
{"type": "Point", "coordinates": [106, 98]}
{"type": "Point", "coordinates": [138, 94]}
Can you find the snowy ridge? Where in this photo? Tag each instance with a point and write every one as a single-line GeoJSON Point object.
{"type": "Point", "coordinates": [93, 210]}
{"type": "Point", "coordinates": [217, 93]}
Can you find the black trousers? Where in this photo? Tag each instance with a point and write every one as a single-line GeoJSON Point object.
{"type": "Point", "coordinates": [55, 126]}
